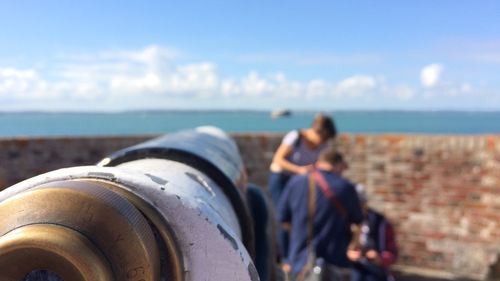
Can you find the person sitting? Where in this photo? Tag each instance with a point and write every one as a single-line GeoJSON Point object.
{"type": "Point", "coordinates": [376, 249]}
{"type": "Point", "coordinates": [335, 209]}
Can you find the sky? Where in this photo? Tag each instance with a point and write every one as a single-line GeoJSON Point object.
{"type": "Point", "coordinates": [316, 55]}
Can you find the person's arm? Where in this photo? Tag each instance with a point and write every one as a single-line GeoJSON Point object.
{"type": "Point", "coordinates": [286, 149]}
{"type": "Point", "coordinates": [390, 253]}
{"type": "Point", "coordinates": [355, 210]}
{"type": "Point", "coordinates": [354, 249]}
{"type": "Point", "coordinates": [280, 159]}
{"type": "Point", "coordinates": [355, 218]}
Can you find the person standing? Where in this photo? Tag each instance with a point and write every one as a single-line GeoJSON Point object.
{"type": "Point", "coordinates": [336, 208]}
{"type": "Point", "coordinates": [299, 149]}
{"type": "Point", "coordinates": [296, 154]}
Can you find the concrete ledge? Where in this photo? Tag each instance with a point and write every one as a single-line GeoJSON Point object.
{"type": "Point", "coordinates": [412, 273]}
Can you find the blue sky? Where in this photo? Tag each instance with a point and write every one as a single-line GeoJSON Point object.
{"type": "Point", "coordinates": [322, 55]}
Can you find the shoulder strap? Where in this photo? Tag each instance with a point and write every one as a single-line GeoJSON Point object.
{"type": "Point", "coordinates": [296, 144]}
{"type": "Point", "coordinates": [328, 192]}
{"type": "Point", "coordinates": [311, 209]}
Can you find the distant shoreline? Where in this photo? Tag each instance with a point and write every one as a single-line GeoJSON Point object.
{"type": "Point", "coordinates": [299, 111]}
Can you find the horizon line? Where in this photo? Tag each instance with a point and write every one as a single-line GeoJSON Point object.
{"type": "Point", "coordinates": [224, 110]}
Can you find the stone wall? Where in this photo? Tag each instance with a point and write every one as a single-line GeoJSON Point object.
{"type": "Point", "coordinates": [22, 158]}
{"type": "Point", "coordinates": [441, 192]}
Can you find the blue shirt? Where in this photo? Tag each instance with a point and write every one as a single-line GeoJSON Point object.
{"type": "Point", "coordinates": [332, 233]}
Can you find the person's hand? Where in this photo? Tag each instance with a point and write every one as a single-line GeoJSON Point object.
{"type": "Point", "coordinates": [353, 255]}
{"type": "Point", "coordinates": [302, 170]}
{"type": "Point", "coordinates": [286, 226]}
{"type": "Point", "coordinates": [286, 267]}
{"type": "Point", "coordinates": [305, 169]}
{"type": "Point", "coordinates": [373, 256]}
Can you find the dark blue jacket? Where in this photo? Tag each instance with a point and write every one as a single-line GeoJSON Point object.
{"type": "Point", "coordinates": [332, 232]}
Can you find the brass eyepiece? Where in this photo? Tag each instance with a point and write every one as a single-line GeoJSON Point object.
{"type": "Point", "coordinates": [80, 231]}
{"type": "Point", "coordinates": [54, 248]}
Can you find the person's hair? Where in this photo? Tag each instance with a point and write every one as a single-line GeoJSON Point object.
{"type": "Point", "coordinates": [331, 156]}
{"type": "Point", "coordinates": [324, 125]}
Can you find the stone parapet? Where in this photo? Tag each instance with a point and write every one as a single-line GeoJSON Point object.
{"type": "Point", "coordinates": [441, 192]}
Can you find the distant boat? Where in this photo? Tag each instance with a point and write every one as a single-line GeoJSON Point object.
{"type": "Point", "coordinates": [280, 113]}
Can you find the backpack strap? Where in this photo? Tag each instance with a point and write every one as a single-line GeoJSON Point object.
{"type": "Point", "coordinates": [296, 143]}
{"type": "Point", "coordinates": [328, 192]}
{"type": "Point", "coordinates": [311, 209]}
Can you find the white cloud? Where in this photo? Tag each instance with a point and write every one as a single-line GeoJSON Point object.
{"type": "Point", "coordinates": [317, 88]}
{"type": "Point", "coordinates": [254, 85]}
{"type": "Point", "coordinates": [149, 55]}
{"type": "Point", "coordinates": [155, 73]}
{"type": "Point", "coordinates": [455, 89]}
{"type": "Point", "coordinates": [431, 74]}
{"type": "Point", "coordinates": [23, 84]}
{"type": "Point", "coordinates": [192, 78]}
{"type": "Point", "coordinates": [230, 88]}
{"type": "Point", "coordinates": [269, 86]}
{"type": "Point", "coordinates": [404, 92]}
{"type": "Point", "coordinates": [356, 85]}
{"type": "Point", "coordinates": [147, 72]}
{"type": "Point", "coordinates": [149, 82]}
{"type": "Point", "coordinates": [287, 88]}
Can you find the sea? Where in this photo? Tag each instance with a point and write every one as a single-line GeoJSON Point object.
{"type": "Point", "coordinates": [26, 124]}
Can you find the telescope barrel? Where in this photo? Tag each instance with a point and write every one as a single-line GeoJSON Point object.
{"type": "Point", "coordinates": [172, 208]}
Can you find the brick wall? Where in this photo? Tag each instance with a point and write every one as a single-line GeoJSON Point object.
{"type": "Point", "coordinates": [441, 192]}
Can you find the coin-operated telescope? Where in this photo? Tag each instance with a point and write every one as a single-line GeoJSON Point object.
{"type": "Point", "coordinates": [173, 208]}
